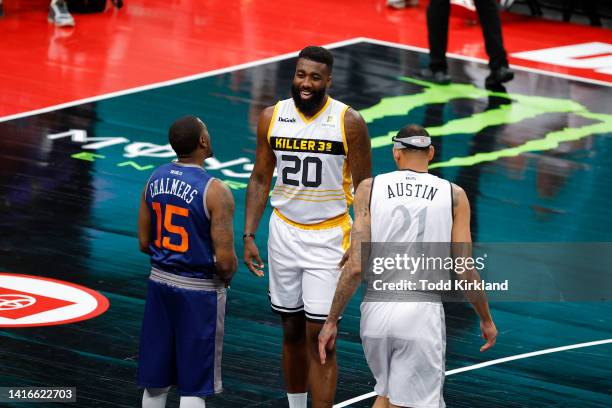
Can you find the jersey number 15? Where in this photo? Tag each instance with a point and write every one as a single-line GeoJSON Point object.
{"type": "Point", "coordinates": [169, 228]}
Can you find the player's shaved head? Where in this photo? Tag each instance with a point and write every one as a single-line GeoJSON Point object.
{"type": "Point", "coordinates": [184, 135]}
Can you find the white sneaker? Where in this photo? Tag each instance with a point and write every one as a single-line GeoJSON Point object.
{"type": "Point", "coordinates": [59, 14]}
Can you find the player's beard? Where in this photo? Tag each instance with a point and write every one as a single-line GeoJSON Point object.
{"type": "Point", "coordinates": [308, 106]}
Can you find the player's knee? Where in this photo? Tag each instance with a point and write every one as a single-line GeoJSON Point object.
{"type": "Point", "coordinates": [294, 337]}
{"type": "Point", "coordinates": [294, 330]}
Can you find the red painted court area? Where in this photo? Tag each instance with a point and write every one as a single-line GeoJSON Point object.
{"type": "Point", "coordinates": [150, 41]}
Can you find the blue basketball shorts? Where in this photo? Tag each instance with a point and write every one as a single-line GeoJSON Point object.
{"type": "Point", "coordinates": [182, 335]}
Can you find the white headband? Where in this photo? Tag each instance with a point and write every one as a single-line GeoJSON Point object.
{"type": "Point", "coordinates": [419, 142]}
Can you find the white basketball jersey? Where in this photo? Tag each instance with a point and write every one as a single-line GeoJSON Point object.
{"type": "Point", "coordinates": [408, 206]}
{"type": "Point", "coordinates": [313, 181]}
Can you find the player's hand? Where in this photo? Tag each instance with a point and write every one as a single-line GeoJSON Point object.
{"type": "Point", "coordinates": [251, 257]}
{"type": "Point", "coordinates": [327, 339]}
{"type": "Point", "coordinates": [489, 333]}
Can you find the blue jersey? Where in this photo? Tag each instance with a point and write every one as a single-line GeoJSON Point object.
{"type": "Point", "coordinates": [180, 226]}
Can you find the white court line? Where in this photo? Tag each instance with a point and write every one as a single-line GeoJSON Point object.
{"type": "Point", "coordinates": [251, 64]}
{"type": "Point", "coordinates": [172, 81]}
{"type": "Point", "coordinates": [484, 61]}
{"type": "Point", "coordinates": [490, 363]}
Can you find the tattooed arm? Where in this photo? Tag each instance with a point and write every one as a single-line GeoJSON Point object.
{"type": "Point", "coordinates": [351, 273]}
{"type": "Point", "coordinates": [462, 247]}
{"type": "Point", "coordinates": [258, 191]}
{"type": "Point", "coordinates": [220, 205]}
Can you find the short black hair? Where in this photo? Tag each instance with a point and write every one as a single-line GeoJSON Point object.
{"type": "Point", "coordinates": [412, 130]}
{"type": "Point", "coordinates": [318, 54]}
{"type": "Point", "coordinates": [184, 135]}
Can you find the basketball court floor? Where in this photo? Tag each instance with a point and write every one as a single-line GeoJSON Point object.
{"type": "Point", "coordinates": [83, 120]}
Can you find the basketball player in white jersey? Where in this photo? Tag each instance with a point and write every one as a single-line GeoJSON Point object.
{"type": "Point", "coordinates": [320, 148]}
{"type": "Point", "coordinates": [405, 342]}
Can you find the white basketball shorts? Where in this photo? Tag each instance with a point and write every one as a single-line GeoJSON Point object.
{"type": "Point", "coordinates": [303, 265]}
{"type": "Point", "coordinates": [405, 346]}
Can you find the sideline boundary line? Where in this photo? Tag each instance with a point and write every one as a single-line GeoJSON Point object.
{"type": "Point", "coordinates": [490, 363]}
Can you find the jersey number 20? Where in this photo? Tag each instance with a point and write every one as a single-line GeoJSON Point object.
{"type": "Point", "coordinates": [309, 165]}
{"type": "Point", "coordinates": [170, 228]}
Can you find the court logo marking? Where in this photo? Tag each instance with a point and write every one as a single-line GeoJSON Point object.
{"type": "Point", "coordinates": [14, 301]}
{"type": "Point", "coordinates": [28, 301]}
{"type": "Point", "coordinates": [595, 56]}
{"type": "Point", "coordinates": [513, 109]}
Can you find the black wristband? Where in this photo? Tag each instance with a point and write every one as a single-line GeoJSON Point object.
{"type": "Point", "coordinates": [247, 235]}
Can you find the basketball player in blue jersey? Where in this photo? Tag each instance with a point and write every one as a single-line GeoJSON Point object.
{"type": "Point", "coordinates": [320, 148]}
{"type": "Point", "coordinates": [405, 341]}
{"type": "Point", "coordinates": [186, 225]}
